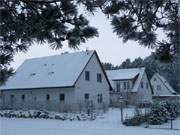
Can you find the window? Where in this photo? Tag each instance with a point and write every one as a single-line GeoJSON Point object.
{"type": "Point", "coordinates": [50, 73]}
{"type": "Point", "coordinates": [100, 98]}
{"type": "Point", "coordinates": [99, 77]}
{"type": "Point", "coordinates": [86, 96]}
{"type": "Point", "coordinates": [23, 97]}
{"type": "Point", "coordinates": [154, 79]}
{"type": "Point", "coordinates": [62, 97]}
{"type": "Point", "coordinates": [118, 86]}
{"type": "Point", "coordinates": [12, 97]}
{"type": "Point", "coordinates": [47, 97]}
{"type": "Point", "coordinates": [32, 74]}
{"type": "Point", "coordinates": [87, 75]}
{"type": "Point", "coordinates": [147, 85]}
{"type": "Point", "coordinates": [128, 85]}
{"type": "Point", "coordinates": [158, 87]}
{"type": "Point", "coordinates": [142, 85]}
{"type": "Point", "coordinates": [125, 85]}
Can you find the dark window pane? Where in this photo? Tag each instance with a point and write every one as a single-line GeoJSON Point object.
{"type": "Point", "coordinates": [118, 87]}
{"type": "Point", "coordinates": [62, 97]}
{"type": "Point", "coordinates": [11, 96]}
{"type": "Point", "coordinates": [100, 98]}
{"type": "Point", "coordinates": [47, 97]}
{"type": "Point", "coordinates": [86, 96]}
{"type": "Point", "coordinates": [23, 97]}
{"type": "Point", "coordinates": [87, 75]}
{"type": "Point", "coordinates": [99, 77]}
{"type": "Point", "coordinates": [128, 85]}
{"type": "Point", "coordinates": [125, 85]}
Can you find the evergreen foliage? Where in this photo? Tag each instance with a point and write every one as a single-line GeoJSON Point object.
{"type": "Point", "coordinates": [141, 20]}
{"type": "Point", "coordinates": [163, 111]}
{"type": "Point", "coordinates": [55, 22]}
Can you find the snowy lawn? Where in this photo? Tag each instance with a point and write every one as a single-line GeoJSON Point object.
{"type": "Point", "coordinates": [109, 124]}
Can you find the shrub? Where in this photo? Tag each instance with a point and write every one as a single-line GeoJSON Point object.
{"type": "Point", "coordinates": [163, 111]}
{"type": "Point", "coordinates": [135, 121]}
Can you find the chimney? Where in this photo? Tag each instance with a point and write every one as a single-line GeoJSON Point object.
{"type": "Point", "coordinates": [87, 51]}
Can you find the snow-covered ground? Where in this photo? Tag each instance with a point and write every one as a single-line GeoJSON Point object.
{"type": "Point", "coordinates": [108, 124]}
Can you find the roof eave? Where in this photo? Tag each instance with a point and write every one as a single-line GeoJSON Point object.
{"type": "Point", "coordinates": [38, 88]}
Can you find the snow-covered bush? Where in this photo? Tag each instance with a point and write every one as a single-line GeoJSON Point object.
{"type": "Point", "coordinates": [138, 118]}
{"type": "Point", "coordinates": [135, 121]}
{"type": "Point", "coordinates": [34, 114]}
{"type": "Point", "coordinates": [159, 113]}
{"type": "Point", "coordinates": [163, 111]}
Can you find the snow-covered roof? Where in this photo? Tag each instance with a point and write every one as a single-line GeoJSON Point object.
{"type": "Point", "coordinates": [127, 74]}
{"type": "Point", "coordinates": [165, 82]}
{"type": "Point", "coordinates": [52, 71]}
{"type": "Point", "coordinates": [122, 74]}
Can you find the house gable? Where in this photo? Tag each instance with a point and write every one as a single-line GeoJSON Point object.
{"type": "Point", "coordinates": [92, 86]}
{"type": "Point", "coordinates": [145, 91]}
{"type": "Point", "coordinates": [101, 70]}
{"type": "Point", "coordinates": [161, 86]}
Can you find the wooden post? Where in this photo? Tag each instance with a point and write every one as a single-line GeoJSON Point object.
{"type": "Point", "coordinates": [122, 112]}
{"type": "Point", "coordinates": [120, 99]}
{"type": "Point", "coordinates": [171, 124]}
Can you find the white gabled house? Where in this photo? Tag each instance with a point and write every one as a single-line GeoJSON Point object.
{"type": "Point", "coordinates": [132, 84]}
{"type": "Point", "coordinates": [161, 87]}
{"type": "Point", "coordinates": [66, 82]}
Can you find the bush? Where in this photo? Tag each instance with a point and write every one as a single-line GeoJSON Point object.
{"type": "Point", "coordinates": [44, 115]}
{"type": "Point", "coordinates": [159, 113]}
{"type": "Point", "coordinates": [163, 111]}
{"type": "Point", "coordinates": [135, 121]}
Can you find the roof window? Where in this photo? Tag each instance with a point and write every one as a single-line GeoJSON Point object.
{"type": "Point", "coordinates": [32, 74]}
{"type": "Point", "coordinates": [50, 73]}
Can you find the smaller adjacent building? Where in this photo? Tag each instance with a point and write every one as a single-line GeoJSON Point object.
{"type": "Point", "coordinates": [162, 89]}
{"type": "Point", "coordinates": [160, 86]}
{"type": "Point", "coordinates": [132, 84]}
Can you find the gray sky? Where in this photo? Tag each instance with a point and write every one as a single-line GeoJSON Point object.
{"type": "Point", "coordinates": [109, 47]}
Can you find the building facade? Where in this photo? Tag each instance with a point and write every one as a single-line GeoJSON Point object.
{"type": "Point", "coordinates": [131, 84]}
{"type": "Point", "coordinates": [65, 83]}
{"type": "Point", "coordinates": [160, 86]}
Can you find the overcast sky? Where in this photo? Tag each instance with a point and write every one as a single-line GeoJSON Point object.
{"type": "Point", "coordinates": [109, 47]}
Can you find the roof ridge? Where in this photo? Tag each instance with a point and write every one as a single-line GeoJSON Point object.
{"type": "Point", "coordinates": [61, 54]}
{"type": "Point", "coordinates": [125, 69]}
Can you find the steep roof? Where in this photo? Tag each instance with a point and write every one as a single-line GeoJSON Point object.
{"type": "Point", "coordinates": [127, 74]}
{"type": "Point", "coordinates": [165, 82]}
{"type": "Point", "coordinates": [52, 71]}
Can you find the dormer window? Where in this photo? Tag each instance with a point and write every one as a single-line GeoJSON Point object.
{"type": "Point", "coordinates": [32, 74]}
{"type": "Point", "coordinates": [50, 73]}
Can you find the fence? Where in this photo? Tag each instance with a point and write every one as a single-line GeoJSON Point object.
{"type": "Point", "coordinates": [171, 124]}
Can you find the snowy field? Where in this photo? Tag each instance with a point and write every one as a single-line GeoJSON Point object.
{"type": "Point", "coordinates": [109, 124]}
